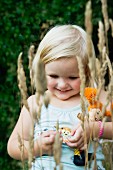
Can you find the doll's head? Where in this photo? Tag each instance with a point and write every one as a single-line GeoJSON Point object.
{"type": "Point", "coordinates": [95, 106]}
{"type": "Point", "coordinates": [64, 41]}
{"type": "Point", "coordinates": [95, 114]}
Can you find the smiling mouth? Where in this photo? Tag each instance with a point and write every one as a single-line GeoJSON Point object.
{"type": "Point", "coordinates": [63, 91]}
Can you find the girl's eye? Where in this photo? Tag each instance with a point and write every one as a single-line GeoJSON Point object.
{"type": "Point", "coordinates": [73, 78]}
{"type": "Point", "coordinates": [53, 76]}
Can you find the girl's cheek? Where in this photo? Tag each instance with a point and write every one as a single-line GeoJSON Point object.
{"type": "Point", "coordinates": [50, 83]}
{"type": "Point", "coordinates": [77, 84]}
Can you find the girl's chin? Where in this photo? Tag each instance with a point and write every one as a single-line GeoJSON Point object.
{"type": "Point", "coordinates": [63, 97]}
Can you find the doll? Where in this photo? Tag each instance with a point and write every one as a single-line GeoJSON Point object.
{"type": "Point", "coordinates": [94, 114]}
{"type": "Point", "coordinates": [95, 107]}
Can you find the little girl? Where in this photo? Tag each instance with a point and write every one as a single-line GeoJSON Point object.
{"type": "Point", "coordinates": [58, 51]}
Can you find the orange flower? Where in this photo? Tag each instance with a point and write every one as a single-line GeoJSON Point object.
{"type": "Point", "coordinates": [90, 94]}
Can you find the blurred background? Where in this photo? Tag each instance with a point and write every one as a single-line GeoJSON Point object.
{"type": "Point", "coordinates": [23, 23]}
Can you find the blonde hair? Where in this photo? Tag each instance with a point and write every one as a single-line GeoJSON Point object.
{"type": "Point", "coordinates": [64, 41]}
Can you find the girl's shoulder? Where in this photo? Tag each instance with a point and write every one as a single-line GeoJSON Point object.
{"type": "Point", "coordinates": [32, 103]}
{"type": "Point", "coordinates": [31, 98]}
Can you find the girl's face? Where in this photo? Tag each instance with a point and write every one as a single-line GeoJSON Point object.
{"type": "Point", "coordinates": [63, 78]}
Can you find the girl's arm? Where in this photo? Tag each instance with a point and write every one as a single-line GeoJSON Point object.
{"type": "Point", "coordinates": [21, 135]}
{"type": "Point", "coordinates": [107, 130]}
{"type": "Point", "coordinates": [22, 131]}
{"type": "Point", "coordinates": [92, 130]}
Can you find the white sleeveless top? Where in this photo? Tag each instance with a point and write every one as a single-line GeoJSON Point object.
{"type": "Point", "coordinates": [48, 121]}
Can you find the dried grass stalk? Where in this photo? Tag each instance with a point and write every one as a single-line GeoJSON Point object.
{"type": "Point", "coordinates": [23, 89]}
{"type": "Point", "coordinates": [101, 68]}
{"type": "Point", "coordinates": [46, 100]}
{"type": "Point", "coordinates": [31, 147]}
{"type": "Point", "coordinates": [106, 21]}
{"type": "Point", "coordinates": [109, 97]}
{"type": "Point", "coordinates": [88, 18]}
{"type": "Point", "coordinates": [22, 82]}
{"type": "Point", "coordinates": [83, 83]}
{"type": "Point", "coordinates": [21, 147]}
{"type": "Point", "coordinates": [105, 14]}
{"type": "Point", "coordinates": [41, 87]}
{"type": "Point", "coordinates": [83, 104]}
{"type": "Point", "coordinates": [91, 62]}
{"type": "Point", "coordinates": [101, 36]}
{"type": "Point", "coordinates": [98, 68]}
{"type": "Point", "coordinates": [111, 24]}
{"type": "Point", "coordinates": [109, 66]}
{"type": "Point", "coordinates": [101, 80]}
{"type": "Point", "coordinates": [57, 148]}
{"type": "Point", "coordinates": [31, 57]}
{"type": "Point", "coordinates": [89, 29]}
{"type": "Point", "coordinates": [39, 111]}
{"type": "Point", "coordinates": [40, 78]}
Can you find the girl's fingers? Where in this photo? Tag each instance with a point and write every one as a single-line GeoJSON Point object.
{"type": "Point", "coordinates": [73, 131]}
{"type": "Point", "coordinates": [84, 147]}
{"type": "Point", "coordinates": [48, 133]}
{"type": "Point", "coordinates": [75, 138]}
{"type": "Point", "coordinates": [81, 146]}
{"type": "Point", "coordinates": [76, 144]}
{"type": "Point", "coordinates": [49, 140]}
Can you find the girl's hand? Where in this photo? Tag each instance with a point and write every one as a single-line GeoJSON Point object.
{"type": "Point", "coordinates": [45, 142]}
{"type": "Point", "coordinates": [80, 137]}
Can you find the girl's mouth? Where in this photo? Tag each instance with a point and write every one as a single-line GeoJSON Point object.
{"type": "Point", "coordinates": [63, 91]}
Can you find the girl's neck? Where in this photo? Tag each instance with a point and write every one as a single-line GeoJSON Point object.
{"type": "Point", "coordinates": [71, 102]}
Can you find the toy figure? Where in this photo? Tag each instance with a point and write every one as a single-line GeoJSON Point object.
{"type": "Point", "coordinates": [79, 156]}
{"type": "Point", "coordinates": [95, 107]}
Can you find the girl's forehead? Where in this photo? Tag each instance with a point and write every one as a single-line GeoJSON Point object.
{"type": "Point", "coordinates": [64, 65]}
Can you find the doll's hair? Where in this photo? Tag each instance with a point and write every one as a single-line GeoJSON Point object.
{"type": "Point", "coordinates": [64, 41]}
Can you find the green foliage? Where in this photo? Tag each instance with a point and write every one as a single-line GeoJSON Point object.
{"type": "Point", "coordinates": [24, 23]}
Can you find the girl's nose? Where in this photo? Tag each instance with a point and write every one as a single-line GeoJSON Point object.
{"type": "Point", "coordinates": [62, 83]}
